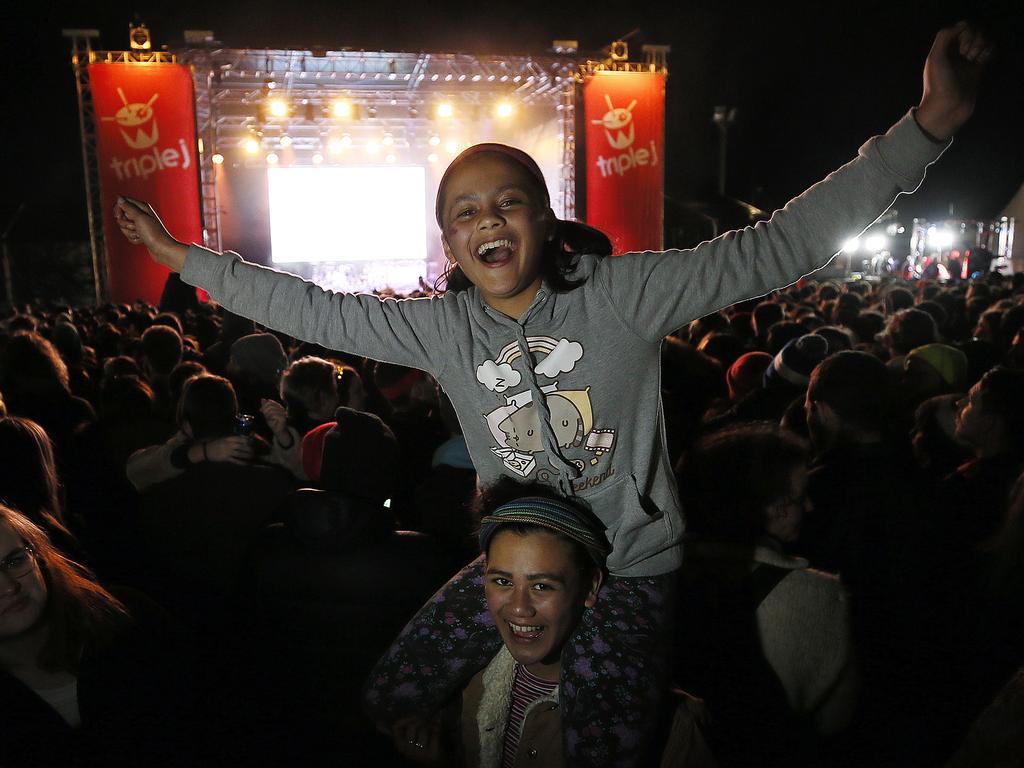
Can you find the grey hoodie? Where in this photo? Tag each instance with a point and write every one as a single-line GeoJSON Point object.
{"type": "Point", "coordinates": [570, 393]}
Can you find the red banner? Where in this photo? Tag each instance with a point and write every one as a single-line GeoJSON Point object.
{"type": "Point", "coordinates": [146, 148]}
{"type": "Point", "coordinates": [625, 117]}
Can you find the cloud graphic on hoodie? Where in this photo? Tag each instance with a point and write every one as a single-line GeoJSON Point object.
{"type": "Point", "coordinates": [497, 378]}
{"type": "Point", "coordinates": [563, 358]}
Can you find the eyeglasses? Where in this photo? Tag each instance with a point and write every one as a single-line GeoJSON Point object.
{"type": "Point", "coordinates": [18, 563]}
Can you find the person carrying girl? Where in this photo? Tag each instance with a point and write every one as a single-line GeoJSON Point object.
{"type": "Point", "coordinates": [550, 354]}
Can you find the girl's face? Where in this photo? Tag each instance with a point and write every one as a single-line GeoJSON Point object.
{"type": "Point", "coordinates": [495, 228]}
{"type": "Point", "coordinates": [23, 590]}
{"type": "Point", "coordinates": [784, 516]}
{"type": "Point", "coordinates": [536, 596]}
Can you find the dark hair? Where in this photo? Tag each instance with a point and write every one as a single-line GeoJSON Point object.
{"type": "Point", "coordinates": [911, 328]}
{"type": "Point", "coordinates": [764, 316]}
{"type": "Point", "coordinates": [28, 473]}
{"type": "Point", "coordinates": [303, 380]}
{"type": "Point", "coordinates": [181, 373]}
{"type": "Point", "coordinates": [1000, 391]}
{"type": "Point", "coordinates": [856, 385]}
{"type": "Point", "coordinates": [209, 405]}
{"type": "Point", "coordinates": [162, 346]}
{"type": "Point", "coordinates": [729, 478]}
{"type": "Point", "coordinates": [78, 609]}
{"type": "Point", "coordinates": [126, 399]}
{"type": "Point", "coordinates": [506, 490]}
{"type": "Point", "coordinates": [780, 334]}
{"type": "Point", "coordinates": [31, 365]}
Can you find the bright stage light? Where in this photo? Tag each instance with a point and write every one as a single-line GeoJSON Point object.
{"type": "Point", "coordinates": [286, 141]}
{"type": "Point", "coordinates": [317, 158]}
{"type": "Point", "coordinates": [335, 146]}
{"type": "Point", "coordinates": [940, 238]}
{"type": "Point", "coordinates": [251, 146]}
{"type": "Point", "coordinates": [875, 243]}
{"type": "Point", "coordinates": [346, 140]}
{"type": "Point", "coordinates": [278, 108]}
{"type": "Point", "coordinates": [217, 158]}
{"type": "Point", "coordinates": [451, 147]}
{"type": "Point", "coordinates": [434, 140]}
{"type": "Point", "coordinates": [852, 245]}
{"type": "Point", "coordinates": [272, 159]}
{"type": "Point", "coordinates": [445, 110]}
{"type": "Point", "coordinates": [333, 213]}
{"type": "Point", "coordinates": [432, 157]}
{"type": "Point", "coordinates": [390, 158]}
{"type": "Point", "coordinates": [505, 109]}
{"type": "Point", "coordinates": [343, 108]}
{"type": "Point", "coordinates": [372, 147]}
{"type": "Point", "coordinates": [388, 140]}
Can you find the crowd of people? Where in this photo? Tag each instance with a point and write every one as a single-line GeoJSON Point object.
{"type": "Point", "coordinates": [264, 515]}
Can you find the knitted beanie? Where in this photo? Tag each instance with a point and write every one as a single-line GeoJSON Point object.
{"type": "Point", "coordinates": [564, 518]}
{"type": "Point", "coordinates": [747, 373]}
{"type": "Point", "coordinates": [949, 362]}
{"type": "Point", "coordinates": [260, 356]}
{"type": "Point", "coordinates": [795, 361]}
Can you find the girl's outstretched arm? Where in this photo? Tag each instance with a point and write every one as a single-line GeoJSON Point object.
{"type": "Point", "coordinates": [656, 293]}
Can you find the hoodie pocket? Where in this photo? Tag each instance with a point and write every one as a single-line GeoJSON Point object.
{"type": "Point", "coordinates": [634, 527]}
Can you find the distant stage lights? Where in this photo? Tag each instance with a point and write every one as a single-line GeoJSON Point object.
{"type": "Point", "coordinates": [343, 108]}
{"type": "Point", "coordinates": [875, 243]}
{"type": "Point", "coordinates": [286, 141]}
{"type": "Point", "coordinates": [432, 157]}
{"type": "Point", "coordinates": [505, 109]}
{"type": "Point", "coordinates": [372, 147]}
{"type": "Point", "coordinates": [434, 140]}
{"type": "Point", "coordinates": [387, 140]}
{"type": "Point", "coordinates": [278, 108]}
{"type": "Point", "coordinates": [445, 109]}
{"type": "Point", "coordinates": [217, 159]}
{"type": "Point", "coordinates": [335, 146]}
{"type": "Point", "coordinates": [391, 157]}
{"type": "Point", "coordinates": [940, 239]}
{"type": "Point", "coordinates": [272, 158]}
{"type": "Point", "coordinates": [451, 147]}
{"type": "Point", "coordinates": [251, 146]}
{"type": "Point", "coordinates": [317, 158]}
{"type": "Point", "coordinates": [852, 245]}
{"type": "Point", "coordinates": [346, 140]}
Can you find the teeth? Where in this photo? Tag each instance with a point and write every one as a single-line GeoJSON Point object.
{"type": "Point", "coordinates": [492, 245]}
{"type": "Point", "coordinates": [517, 628]}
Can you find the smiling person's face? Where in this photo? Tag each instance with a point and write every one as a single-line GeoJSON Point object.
{"type": "Point", "coordinates": [22, 597]}
{"type": "Point", "coordinates": [536, 594]}
{"type": "Point", "coordinates": [495, 225]}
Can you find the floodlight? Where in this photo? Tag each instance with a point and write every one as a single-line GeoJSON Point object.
{"type": "Point", "coordinates": [286, 141]}
{"type": "Point", "coordinates": [852, 245]}
{"type": "Point", "coordinates": [217, 158]}
{"type": "Point", "coordinates": [272, 159]}
{"type": "Point", "coordinates": [445, 109]}
{"type": "Point", "coordinates": [505, 109]}
{"type": "Point", "coordinates": [343, 108]}
{"type": "Point", "coordinates": [388, 140]}
{"type": "Point", "coordinates": [317, 158]}
{"type": "Point", "coordinates": [875, 243]}
{"type": "Point", "coordinates": [278, 108]}
{"type": "Point", "coordinates": [434, 140]}
{"type": "Point", "coordinates": [251, 146]}
{"type": "Point", "coordinates": [432, 157]}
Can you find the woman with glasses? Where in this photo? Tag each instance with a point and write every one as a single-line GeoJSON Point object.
{"type": "Point", "coordinates": [83, 678]}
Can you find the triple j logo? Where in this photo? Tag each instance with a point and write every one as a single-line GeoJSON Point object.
{"type": "Point", "coordinates": [140, 131]}
{"type": "Point", "coordinates": [620, 131]}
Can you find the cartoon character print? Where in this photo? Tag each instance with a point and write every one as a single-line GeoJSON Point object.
{"type": "Point", "coordinates": [515, 424]}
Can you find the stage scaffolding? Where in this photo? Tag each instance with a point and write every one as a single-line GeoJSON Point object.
{"type": "Point", "coordinates": [390, 92]}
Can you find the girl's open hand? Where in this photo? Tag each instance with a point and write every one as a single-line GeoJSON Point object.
{"type": "Point", "coordinates": [952, 74]}
{"type": "Point", "coordinates": [140, 225]}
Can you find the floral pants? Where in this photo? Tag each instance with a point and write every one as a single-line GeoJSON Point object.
{"type": "Point", "coordinates": [614, 667]}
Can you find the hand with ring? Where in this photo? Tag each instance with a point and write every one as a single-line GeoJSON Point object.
{"type": "Point", "coordinates": [418, 739]}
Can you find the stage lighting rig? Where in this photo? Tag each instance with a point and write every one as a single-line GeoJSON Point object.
{"type": "Point", "coordinates": [138, 36]}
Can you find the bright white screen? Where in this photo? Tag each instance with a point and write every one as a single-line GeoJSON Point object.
{"type": "Point", "coordinates": [347, 214]}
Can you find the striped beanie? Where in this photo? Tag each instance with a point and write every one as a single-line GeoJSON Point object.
{"type": "Point", "coordinates": [795, 361]}
{"type": "Point", "coordinates": [559, 516]}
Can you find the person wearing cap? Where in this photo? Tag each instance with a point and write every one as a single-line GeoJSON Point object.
{"type": "Point", "coordinates": [550, 353]}
{"type": "Point", "coordinates": [543, 579]}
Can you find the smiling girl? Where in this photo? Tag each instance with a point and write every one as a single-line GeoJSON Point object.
{"type": "Point", "coordinates": [550, 353]}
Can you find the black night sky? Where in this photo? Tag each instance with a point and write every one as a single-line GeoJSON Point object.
{"type": "Point", "coordinates": [811, 81]}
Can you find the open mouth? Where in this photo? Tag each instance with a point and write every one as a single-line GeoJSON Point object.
{"type": "Point", "coordinates": [495, 252]}
{"type": "Point", "coordinates": [525, 633]}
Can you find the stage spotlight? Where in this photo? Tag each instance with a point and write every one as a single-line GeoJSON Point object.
{"type": "Point", "coordinates": [139, 38]}
{"type": "Point", "coordinates": [388, 140]}
{"type": "Point", "coordinates": [271, 84]}
{"type": "Point", "coordinates": [251, 146]}
{"type": "Point", "coordinates": [317, 158]}
{"type": "Point", "coordinates": [940, 239]}
{"type": "Point", "coordinates": [278, 108]}
{"type": "Point", "coordinates": [346, 140]}
{"type": "Point", "coordinates": [432, 157]}
{"type": "Point", "coordinates": [434, 140]}
{"type": "Point", "coordinates": [372, 147]}
{"type": "Point", "coordinates": [505, 109]}
{"type": "Point", "coordinates": [217, 158]}
{"type": "Point", "coordinates": [875, 243]}
{"type": "Point", "coordinates": [272, 159]}
{"type": "Point", "coordinates": [286, 141]}
{"type": "Point", "coordinates": [444, 109]}
{"type": "Point", "coordinates": [335, 146]}
{"type": "Point", "coordinates": [390, 157]}
{"type": "Point", "coordinates": [343, 108]}
{"type": "Point", "coordinates": [451, 147]}
{"type": "Point", "coordinates": [852, 245]}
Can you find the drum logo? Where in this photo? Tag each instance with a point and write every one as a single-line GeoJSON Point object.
{"type": "Point", "coordinates": [135, 116]}
{"type": "Point", "coordinates": [620, 130]}
{"type": "Point", "coordinates": [136, 122]}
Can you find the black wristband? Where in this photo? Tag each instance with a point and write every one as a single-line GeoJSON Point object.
{"type": "Point", "coordinates": [179, 457]}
